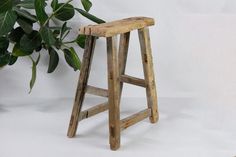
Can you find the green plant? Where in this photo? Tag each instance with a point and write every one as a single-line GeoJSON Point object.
{"type": "Point", "coordinates": [27, 26]}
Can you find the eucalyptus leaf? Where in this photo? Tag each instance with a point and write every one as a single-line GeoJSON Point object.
{"type": "Point", "coordinates": [18, 52]}
{"type": "Point", "coordinates": [65, 13]}
{"type": "Point", "coordinates": [5, 5]}
{"type": "Point", "coordinates": [64, 30]}
{"type": "Point", "coordinates": [47, 36]}
{"type": "Point", "coordinates": [86, 4]}
{"type": "Point", "coordinates": [34, 72]}
{"type": "Point", "coordinates": [7, 22]}
{"type": "Point", "coordinates": [25, 25]}
{"type": "Point", "coordinates": [4, 59]}
{"type": "Point", "coordinates": [4, 43]}
{"type": "Point", "coordinates": [40, 11]}
{"type": "Point", "coordinates": [54, 59]}
{"type": "Point", "coordinates": [81, 40]}
{"type": "Point", "coordinates": [56, 33]}
{"type": "Point", "coordinates": [28, 4]}
{"type": "Point", "coordinates": [16, 34]}
{"type": "Point", "coordinates": [29, 43]}
{"type": "Point", "coordinates": [13, 60]}
{"type": "Point", "coordinates": [54, 4]}
{"type": "Point", "coordinates": [72, 58]}
{"type": "Point", "coordinates": [90, 16]}
{"type": "Point", "coordinates": [25, 14]}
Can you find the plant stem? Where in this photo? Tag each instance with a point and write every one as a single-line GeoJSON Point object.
{"type": "Point", "coordinates": [49, 18]}
{"type": "Point", "coordinates": [66, 46]}
{"type": "Point", "coordinates": [69, 42]}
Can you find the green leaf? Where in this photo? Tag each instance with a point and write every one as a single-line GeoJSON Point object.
{"type": "Point", "coordinates": [86, 4]}
{"type": "Point", "coordinates": [7, 22]}
{"type": "Point", "coordinates": [65, 13]}
{"type": "Point", "coordinates": [13, 60]}
{"type": "Point", "coordinates": [29, 43]}
{"type": "Point", "coordinates": [25, 14]}
{"type": "Point", "coordinates": [4, 43]}
{"type": "Point", "coordinates": [81, 40]}
{"type": "Point", "coordinates": [15, 2]}
{"type": "Point", "coordinates": [56, 33]}
{"type": "Point", "coordinates": [4, 59]}
{"type": "Point", "coordinates": [72, 58]}
{"type": "Point", "coordinates": [54, 59]}
{"type": "Point", "coordinates": [5, 5]}
{"type": "Point", "coordinates": [25, 25]}
{"type": "Point", "coordinates": [28, 4]}
{"type": "Point", "coordinates": [16, 34]}
{"type": "Point", "coordinates": [18, 52]}
{"type": "Point", "coordinates": [64, 30]}
{"type": "Point", "coordinates": [47, 36]}
{"type": "Point", "coordinates": [54, 4]}
{"type": "Point", "coordinates": [40, 11]}
{"type": "Point", "coordinates": [90, 16]}
{"type": "Point", "coordinates": [34, 72]}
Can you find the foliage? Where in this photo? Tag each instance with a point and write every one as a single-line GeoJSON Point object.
{"type": "Point", "coordinates": [19, 20]}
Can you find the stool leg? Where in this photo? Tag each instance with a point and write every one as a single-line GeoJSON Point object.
{"type": "Point", "coordinates": [146, 50]}
{"type": "Point", "coordinates": [114, 91]}
{"type": "Point", "coordinates": [123, 53]}
{"type": "Point", "coordinates": [83, 80]}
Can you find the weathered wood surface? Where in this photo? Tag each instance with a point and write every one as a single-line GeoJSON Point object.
{"type": "Point", "coordinates": [97, 91]}
{"type": "Point", "coordinates": [147, 60]}
{"type": "Point", "coordinates": [114, 93]}
{"type": "Point", "coordinates": [116, 64]}
{"type": "Point", "coordinates": [117, 27]}
{"type": "Point", "coordinates": [122, 56]}
{"type": "Point", "coordinates": [133, 80]}
{"type": "Point", "coordinates": [133, 119]}
{"type": "Point", "coordinates": [81, 89]}
{"type": "Point", "coordinates": [93, 111]}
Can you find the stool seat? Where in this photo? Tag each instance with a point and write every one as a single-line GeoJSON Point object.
{"type": "Point", "coordinates": [117, 27]}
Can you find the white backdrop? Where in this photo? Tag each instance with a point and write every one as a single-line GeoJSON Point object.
{"type": "Point", "coordinates": [194, 45]}
{"type": "Point", "coordinates": [194, 51]}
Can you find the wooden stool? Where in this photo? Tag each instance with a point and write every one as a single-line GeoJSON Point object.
{"type": "Point", "coordinates": [116, 76]}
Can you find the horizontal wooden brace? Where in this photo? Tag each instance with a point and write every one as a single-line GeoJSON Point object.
{"type": "Point", "coordinates": [93, 111]}
{"type": "Point", "coordinates": [131, 120]}
{"type": "Point", "coordinates": [133, 80]}
{"type": "Point", "coordinates": [97, 91]}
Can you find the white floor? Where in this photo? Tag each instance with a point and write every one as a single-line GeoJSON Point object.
{"type": "Point", "coordinates": [187, 128]}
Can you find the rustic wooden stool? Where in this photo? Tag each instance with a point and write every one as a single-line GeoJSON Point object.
{"type": "Point", "coordinates": [116, 76]}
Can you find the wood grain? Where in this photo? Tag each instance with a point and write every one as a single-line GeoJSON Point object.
{"type": "Point", "coordinates": [133, 80]}
{"type": "Point", "coordinates": [114, 91]}
{"type": "Point", "coordinates": [96, 91]}
{"type": "Point", "coordinates": [122, 56]}
{"type": "Point", "coordinates": [110, 29]}
{"type": "Point", "coordinates": [151, 92]}
{"type": "Point", "coordinates": [133, 119]}
{"type": "Point", "coordinates": [83, 80]}
{"type": "Point", "coordinates": [93, 111]}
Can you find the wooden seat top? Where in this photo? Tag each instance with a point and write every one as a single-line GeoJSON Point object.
{"type": "Point", "coordinates": [110, 29]}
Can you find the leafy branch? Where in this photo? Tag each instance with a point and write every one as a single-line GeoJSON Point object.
{"type": "Point", "coordinates": [17, 29]}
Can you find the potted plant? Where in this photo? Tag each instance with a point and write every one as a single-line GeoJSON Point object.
{"type": "Point", "coordinates": [28, 27]}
